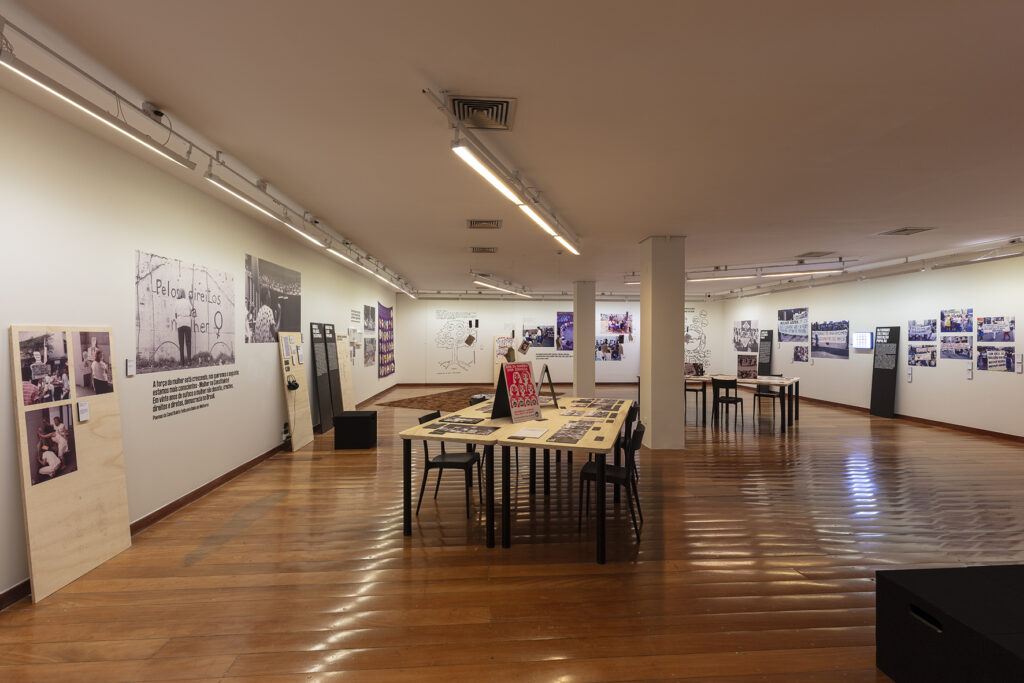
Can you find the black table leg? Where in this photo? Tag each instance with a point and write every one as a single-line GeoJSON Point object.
{"type": "Point", "coordinates": [506, 497]}
{"type": "Point", "coordinates": [796, 403]}
{"type": "Point", "coordinates": [407, 487]}
{"type": "Point", "coordinates": [547, 472]}
{"type": "Point", "coordinates": [782, 408]}
{"type": "Point", "coordinates": [704, 404]}
{"type": "Point", "coordinates": [489, 472]}
{"type": "Point", "coordinates": [533, 470]}
{"type": "Point", "coordinates": [617, 496]}
{"type": "Point", "coordinates": [791, 410]}
{"type": "Point", "coordinates": [600, 485]}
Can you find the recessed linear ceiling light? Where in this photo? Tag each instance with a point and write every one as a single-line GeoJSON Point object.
{"type": "Point", "coordinates": [241, 196]}
{"type": "Point", "coordinates": [798, 273]}
{"type": "Point", "coordinates": [7, 59]}
{"type": "Point", "coordinates": [501, 289]}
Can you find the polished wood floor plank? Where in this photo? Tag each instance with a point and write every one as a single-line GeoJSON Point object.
{"type": "Point", "coordinates": [757, 564]}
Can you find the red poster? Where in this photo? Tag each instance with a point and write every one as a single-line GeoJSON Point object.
{"type": "Point", "coordinates": [522, 393]}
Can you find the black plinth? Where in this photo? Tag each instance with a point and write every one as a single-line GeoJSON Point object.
{"type": "Point", "coordinates": [355, 429]}
{"type": "Point", "coordinates": [959, 624]}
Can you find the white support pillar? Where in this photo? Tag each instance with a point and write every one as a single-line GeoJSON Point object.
{"type": "Point", "coordinates": [584, 325]}
{"type": "Point", "coordinates": [662, 345]}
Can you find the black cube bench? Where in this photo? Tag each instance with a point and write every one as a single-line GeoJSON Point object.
{"type": "Point", "coordinates": [959, 624]}
{"type": "Point", "coordinates": [355, 429]}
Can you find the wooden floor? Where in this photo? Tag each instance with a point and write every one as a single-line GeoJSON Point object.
{"type": "Point", "coordinates": [756, 564]}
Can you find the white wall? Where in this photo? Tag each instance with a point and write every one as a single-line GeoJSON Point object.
{"type": "Point", "coordinates": [990, 401]}
{"type": "Point", "coordinates": [422, 319]}
{"type": "Point", "coordinates": [73, 210]}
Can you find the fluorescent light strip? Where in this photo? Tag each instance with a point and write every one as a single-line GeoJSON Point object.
{"type": "Point", "coordinates": [501, 289]}
{"type": "Point", "coordinates": [632, 282]}
{"type": "Point", "coordinates": [371, 272]}
{"type": "Point", "coordinates": [466, 154]}
{"type": "Point", "coordinates": [726, 277]}
{"type": "Point", "coordinates": [565, 243]}
{"type": "Point", "coordinates": [528, 210]}
{"type": "Point", "coordinates": [51, 86]}
{"type": "Point", "coordinates": [241, 196]}
{"type": "Point", "coordinates": [803, 272]}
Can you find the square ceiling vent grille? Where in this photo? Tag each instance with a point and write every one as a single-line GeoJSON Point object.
{"type": "Point", "coordinates": [493, 113]}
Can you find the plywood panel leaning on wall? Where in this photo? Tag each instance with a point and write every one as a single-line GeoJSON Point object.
{"type": "Point", "coordinates": [348, 393]}
{"type": "Point", "coordinates": [296, 395]}
{"type": "Point", "coordinates": [70, 452]}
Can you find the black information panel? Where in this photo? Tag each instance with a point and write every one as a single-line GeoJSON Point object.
{"type": "Point", "coordinates": [883, 373]}
{"type": "Point", "coordinates": [333, 373]}
{"type": "Point", "coordinates": [320, 374]}
{"type": "Point", "coordinates": [764, 352]}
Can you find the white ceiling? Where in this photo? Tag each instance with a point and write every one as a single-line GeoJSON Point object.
{"type": "Point", "coordinates": [758, 129]}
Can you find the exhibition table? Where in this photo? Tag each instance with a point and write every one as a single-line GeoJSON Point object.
{"type": "Point", "coordinates": [600, 439]}
{"type": "Point", "coordinates": [789, 393]}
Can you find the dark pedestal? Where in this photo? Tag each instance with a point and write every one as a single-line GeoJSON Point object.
{"type": "Point", "coordinates": [355, 429]}
{"type": "Point", "coordinates": [959, 624]}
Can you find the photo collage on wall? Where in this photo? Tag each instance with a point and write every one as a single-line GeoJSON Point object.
{"type": "Point", "coordinates": [794, 327]}
{"type": "Point", "coordinates": [830, 339]}
{"type": "Point", "coordinates": [746, 366]}
{"type": "Point", "coordinates": [563, 331]}
{"type": "Point", "coordinates": [385, 341]}
{"type": "Point", "coordinates": [996, 355]}
{"type": "Point", "coordinates": [744, 336]}
{"type": "Point", "coordinates": [273, 300]}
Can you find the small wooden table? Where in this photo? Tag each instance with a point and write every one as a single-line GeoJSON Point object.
{"type": "Point", "coordinates": [600, 440]}
{"type": "Point", "coordinates": [789, 393]}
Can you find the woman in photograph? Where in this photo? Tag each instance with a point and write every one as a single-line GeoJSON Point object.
{"type": "Point", "coordinates": [183, 321]}
{"type": "Point", "coordinates": [45, 435]}
{"type": "Point", "coordinates": [60, 437]}
{"type": "Point", "coordinates": [49, 463]}
{"type": "Point", "coordinates": [101, 374]}
{"type": "Point", "coordinates": [265, 327]}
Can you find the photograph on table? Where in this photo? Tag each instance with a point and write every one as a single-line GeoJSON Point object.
{"type": "Point", "coordinates": [564, 331]}
{"type": "Point", "coordinates": [51, 443]}
{"type": "Point", "coordinates": [922, 355]}
{"type": "Point", "coordinates": [369, 319]}
{"type": "Point", "coordinates": [793, 325]}
{"type": "Point", "coordinates": [800, 354]}
{"type": "Point", "coordinates": [369, 352]}
{"type": "Point", "coordinates": [184, 315]}
{"type": "Point", "coordinates": [746, 366]}
{"type": "Point", "coordinates": [572, 431]}
{"type": "Point", "coordinates": [744, 335]}
{"type": "Point", "coordinates": [607, 348]}
{"type": "Point", "coordinates": [45, 372]}
{"type": "Point", "coordinates": [957, 320]}
{"type": "Point", "coordinates": [997, 329]}
{"type": "Point", "coordinates": [541, 335]}
{"type": "Point", "coordinates": [922, 330]}
{"type": "Point", "coordinates": [273, 300]}
{"type": "Point", "coordinates": [94, 372]}
{"type": "Point", "coordinates": [830, 339]}
{"type": "Point", "coordinates": [693, 369]}
{"type": "Point", "coordinates": [615, 323]}
{"type": "Point", "coordinates": [957, 347]}
{"type": "Point", "coordinates": [996, 358]}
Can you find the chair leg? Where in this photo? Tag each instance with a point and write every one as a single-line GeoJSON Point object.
{"type": "Point", "coordinates": [579, 512]}
{"type": "Point", "coordinates": [480, 480]}
{"type": "Point", "coordinates": [568, 459]}
{"type": "Point", "coordinates": [588, 498]}
{"type": "Point", "coordinates": [439, 473]}
{"type": "Point", "coordinates": [517, 463]}
{"type": "Point", "coordinates": [632, 513]}
{"type": "Point", "coordinates": [422, 487]}
{"type": "Point", "coordinates": [636, 497]}
{"type": "Point", "coordinates": [469, 485]}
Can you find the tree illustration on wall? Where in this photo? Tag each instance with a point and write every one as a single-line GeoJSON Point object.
{"type": "Point", "coordinates": [453, 336]}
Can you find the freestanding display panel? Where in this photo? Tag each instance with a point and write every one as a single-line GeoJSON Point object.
{"type": "Point", "coordinates": [883, 373]}
{"type": "Point", "coordinates": [333, 369]}
{"type": "Point", "coordinates": [321, 377]}
{"type": "Point", "coordinates": [764, 353]}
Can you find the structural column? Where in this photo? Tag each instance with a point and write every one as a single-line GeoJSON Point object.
{"type": "Point", "coordinates": [662, 346]}
{"type": "Point", "coordinates": [584, 326]}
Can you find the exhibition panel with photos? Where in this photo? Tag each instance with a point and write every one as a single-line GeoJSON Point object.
{"type": "Point", "coordinates": [189, 297]}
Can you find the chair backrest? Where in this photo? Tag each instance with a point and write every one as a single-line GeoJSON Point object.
{"type": "Point", "coordinates": [631, 415]}
{"type": "Point", "coordinates": [724, 384]}
{"type": "Point", "coordinates": [473, 400]}
{"type": "Point", "coordinates": [427, 418]}
{"type": "Point", "coordinates": [634, 444]}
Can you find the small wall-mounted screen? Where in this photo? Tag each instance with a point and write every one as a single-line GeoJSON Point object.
{"type": "Point", "coordinates": [863, 340]}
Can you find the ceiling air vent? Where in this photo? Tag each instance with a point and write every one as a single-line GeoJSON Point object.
{"type": "Point", "coordinates": [480, 224]}
{"type": "Point", "coordinates": [815, 254]}
{"type": "Point", "coordinates": [484, 250]}
{"type": "Point", "coordinates": [495, 113]}
{"type": "Point", "coordinates": [903, 232]}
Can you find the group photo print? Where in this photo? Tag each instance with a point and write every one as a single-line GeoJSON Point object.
{"type": "Point", "coordinates": [51, 443]}
{"type": "Point", "coordinates": [95, 372]}
{"type": "Point", "coordinates": [273, 300]}
{"type": "Point", "coordinates": [45, 372]}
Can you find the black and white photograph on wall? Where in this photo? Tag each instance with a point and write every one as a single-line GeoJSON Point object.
{"type": "Point", "coordinates": [922, 330]}
{"type": "Point", "coordinates": [957, 320]}
{"type": "Point", "coordinates": [51, 443]}
{"type": "Point", "coordinates": [697, 349]}
{"type": "Point", "coordinates": [615, 323]}
{"type": "Point", "coordinates": [273, 300]}
{"type": "Point", "coordinates": [693, 369]}
{"type": "Point", "coordinates": [607, 348]}
{"type": "Point", "coordinates": [369, 352]}
{"type": "Point", "coordinates": [184, 315]}
{"type": "Point", "coordinates": [45, 372]}
{"type": "Point", "coordinates": [957, 347]}
{"type": "Point", "coordinates": [996, 358]}
{"type": "Point", "coordinates": [744, 335]}
{"type": "Point", "coordinates": [830, 339]}
{"type": "Point", "coordinates": [997, 329]}
{"type": "Point", "coordinates": [541, 335]}
{"type": "Point", "coordinates": [564, 335]}
{"type": "Point", "coordinates": [793, 325]}
{"type": "Point", "coordinates": [369, 319]}
{"type": "Point", "coordinates": [922, 355]}
{"type": "Point", "coordinates": [800, 354]}
{"type": "Point", "coordinates": [746, 366]}
{"type": "Point", "coordinates": [95, 374]}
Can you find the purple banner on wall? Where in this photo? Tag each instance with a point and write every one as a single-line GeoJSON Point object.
{"type": "Point", "coordinates": [385, 341]}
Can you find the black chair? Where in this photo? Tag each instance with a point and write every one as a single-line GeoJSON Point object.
{"type": "Point", "coordinates": [721, 389]}
{"type": "Point", "coordinates": [764, 391]}
{"type": "Point", "coordinates": [698, 389]}
{"type": "Point", "coordinates": [624, 439]}
{"type": "Point", "coordinates": [462, 461]}
{"type": "Point", "coordinates": [620, 475]}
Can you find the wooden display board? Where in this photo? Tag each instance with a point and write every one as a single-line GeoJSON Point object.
{"type": "Point", "coordinates": [348, 392]}
{"type": "Point", "coordinates": [293, 370]}
{"type": "Point", "coordinates": [73, 486]}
